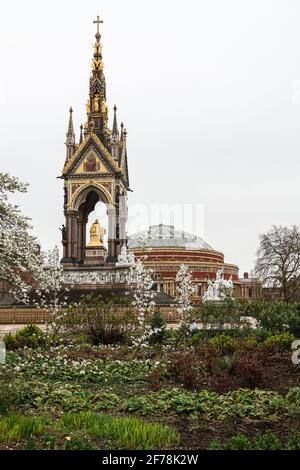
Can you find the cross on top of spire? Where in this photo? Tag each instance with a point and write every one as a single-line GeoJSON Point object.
{"type": "Point", "coordinates": [97, 22]}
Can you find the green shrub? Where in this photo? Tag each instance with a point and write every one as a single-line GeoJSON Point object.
{"type": "Point", "coordinates": [157, 322]}
{"type": "Point", "coordinates": [278, 317]}
{"type": "Point", "coordinates": [30, 336]}
{"type": "Point", "coordinates": [279, 341]}
{"type": "Point", "coordinates": [197, 339]}
{"type": "Point", "coordinates": [224, 342]}
{"type": "Point", "coordinates": [262, 334]}
{"type": "Point", "coordinates": [10, 341]}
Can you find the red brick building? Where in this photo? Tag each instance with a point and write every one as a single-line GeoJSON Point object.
{"type": "Point", "coordinates": [166, 248]}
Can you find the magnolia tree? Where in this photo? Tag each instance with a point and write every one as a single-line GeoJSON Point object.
{"type": "Point", "coordinates": [20, 262]}
{"type": "Point", "coordinates": [143, 301]}
{"type": "Point", "coordinates": [185, 289]}
{"type": "Point", "coordinates": [51, 293]}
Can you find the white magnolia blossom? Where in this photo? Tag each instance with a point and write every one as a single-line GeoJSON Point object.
{"type": "Point", "coordinates": [185, 289]}
{"type": "Point", "coordinates": [20, 262]}
{"type": "Point", "coordinates": [51, 293]}
{"type": "Point", "coordinates": [143, 293]}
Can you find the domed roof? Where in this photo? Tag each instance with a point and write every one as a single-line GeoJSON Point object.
{"type": "Point", "coordinates": [160, 236]}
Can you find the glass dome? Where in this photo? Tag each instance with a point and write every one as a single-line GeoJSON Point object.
{"type": "Point", "coordinates": [160, 236]}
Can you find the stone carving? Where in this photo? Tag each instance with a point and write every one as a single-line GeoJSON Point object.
{"type": "Point", "coordinates": [127, 276]}
{"type": "Point", "coordinates": [219, 289]}
{"type": "Point", "coordinates": [106, 186]}
{"type": "Point", "coordinates": [125, 258]}
{"type": "Point", "coordinates": [63, 233]}
{"type": "Point", "coordinates": [75, 186]}
{"type": "Point", "coordinates": [65, 196]}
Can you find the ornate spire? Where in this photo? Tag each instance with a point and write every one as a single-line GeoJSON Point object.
{"type": "Point", "coordinates": [115, 131]}
{"type": "Point", "coordinates": [96, 106]}
{"type": "Point", "coordinates": [115, 137]}
{"type": "Point", "coordinates": [70, 142]}
{"type": "Point", "coordinates": [81, 136]}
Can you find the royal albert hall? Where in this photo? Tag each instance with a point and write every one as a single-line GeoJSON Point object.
{"type": "Point", "coordinates": [166, 249]}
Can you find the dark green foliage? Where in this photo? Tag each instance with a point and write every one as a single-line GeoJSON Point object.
{"type": "Point", "coordinates": [30, 336]}
{"type": "Point", "coordinates": [265, 441]}
{"type": "Point", "coordinates": [275, 317]}
{"type": "Point", "coordinates": [13, 392]}
{"type": "Point", "coordinates": [225, 343]}
{"type": "Point", "coordinates": [157, 322]}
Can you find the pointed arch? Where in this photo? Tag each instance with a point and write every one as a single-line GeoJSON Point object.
{"type": "Point", "coordinates": [82, 193]}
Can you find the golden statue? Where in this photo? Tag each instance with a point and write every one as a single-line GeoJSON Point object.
{"type": "Point", "coordinates": [96, 103]}
{"type": "Point", "coordinates": [88, 107]}
{"type": "Point", "coordinates": [96, 235]}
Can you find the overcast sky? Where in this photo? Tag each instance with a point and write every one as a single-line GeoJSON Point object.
{"type": "Point", "coordinates": [208, 90]}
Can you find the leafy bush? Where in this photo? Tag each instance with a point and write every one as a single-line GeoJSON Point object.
{"type": "Point", "coordinates": [158, 323]}
{"type": "Point", "coordinates": [224, 342]}
{"type": "Point", "coordinates": [197, 339]}
{"type": "Point", "coordinates": [30, 336]}
{"type": "Point", "coordinates": [278, 317]}
{"type": "Point", "coordinates": [10, 341]}
{"type": "Point", "coordinates": [102, 321]}
{"type": "Point", "coordinates": [217, 314]}
{"type": "Point", "coordinates": [279, 341]}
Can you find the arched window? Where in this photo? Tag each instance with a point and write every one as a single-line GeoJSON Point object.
{"type": "Point", "coordinates": [250, 292]}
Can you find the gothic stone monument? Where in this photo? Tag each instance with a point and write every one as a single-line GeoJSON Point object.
{"type": "Point", "coordinates": [95, 169]}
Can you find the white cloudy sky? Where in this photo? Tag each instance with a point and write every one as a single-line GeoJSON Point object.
{"type": "Point", "coordinates": [208, 89]}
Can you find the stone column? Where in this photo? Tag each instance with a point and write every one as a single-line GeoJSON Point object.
{"type": "Point", "coordinates": [112, 221]}
{"type": "Point", "coordinates": [80, 246]}
{"type": "Point", "coordinates": [122, 219]}
{"type": "Point", "coordinates": [71, 225]}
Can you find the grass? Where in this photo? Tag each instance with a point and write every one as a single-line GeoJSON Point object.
{"type": "Point", "coordinates": [126, 433]}
{"type": "Point", "coordinates": [83, 430]}
{"type": "Point", "coordinates": [16, 427]}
